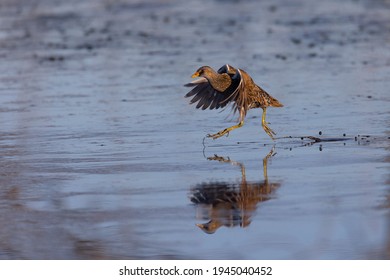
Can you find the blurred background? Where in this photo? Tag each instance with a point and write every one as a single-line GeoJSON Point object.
{"type": "Point", "coordinates": [102, 157]}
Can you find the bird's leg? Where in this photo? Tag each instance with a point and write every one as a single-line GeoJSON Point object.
{"type": "Point", "coordinates": [265, 163]}
{"type": "Point", "coordinates": [266, 128]}
{"type": "Point", "coordinates": [225, 131]}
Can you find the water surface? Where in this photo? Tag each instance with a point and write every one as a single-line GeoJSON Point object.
{"type": "Point", "coordinates": [103, 158]}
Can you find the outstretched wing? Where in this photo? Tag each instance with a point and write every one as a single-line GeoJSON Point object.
{"type": "Point", "coordinates": [207, 97]}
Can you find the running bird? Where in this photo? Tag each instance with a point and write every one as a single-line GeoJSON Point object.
{"type": "Point", "coordinates": [215, 90]}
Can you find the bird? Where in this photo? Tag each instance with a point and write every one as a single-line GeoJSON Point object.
{"type": "Point", "coordinates": [216, 89]}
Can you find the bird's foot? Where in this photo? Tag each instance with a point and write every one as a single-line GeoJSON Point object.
{"type": "Point", "coordinates": [218, 134]}
{"type": "Point", "coordinates": [225, 131]}
{"type": "Point", "coordinates": [269, 131]}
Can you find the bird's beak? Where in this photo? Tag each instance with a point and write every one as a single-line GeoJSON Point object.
{"type": "Point", "coordinates": [196, 74]}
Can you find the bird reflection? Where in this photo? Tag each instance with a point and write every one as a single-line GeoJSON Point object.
{"type": "Point", "coordinates": [231, 204]}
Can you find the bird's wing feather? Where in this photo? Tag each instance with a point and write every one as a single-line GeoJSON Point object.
{"type": "Point", "coordinates": [208, 97]}
{"type": "Point", "coordinates": [201, 80]}
{"type": "Point", "coordinates": [243, 92]}
{"type": "Point", "coordinates": [237, 84]}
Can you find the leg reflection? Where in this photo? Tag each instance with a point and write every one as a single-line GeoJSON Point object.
{"type": "Point", "coordinates": [231, 204]}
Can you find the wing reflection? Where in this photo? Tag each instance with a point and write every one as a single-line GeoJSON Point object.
{"type": "Point", "coordinates": [231, 204]}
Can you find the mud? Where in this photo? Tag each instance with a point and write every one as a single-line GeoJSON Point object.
{"type": "Point", "coordinates": [102, 157]}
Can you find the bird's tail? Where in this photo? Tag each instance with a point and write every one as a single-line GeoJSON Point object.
{"type": "Point", "coordinates": [274, 102]}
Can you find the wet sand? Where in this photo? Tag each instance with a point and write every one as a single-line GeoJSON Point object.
{"type": "Point", "coordinates": [102, 157]}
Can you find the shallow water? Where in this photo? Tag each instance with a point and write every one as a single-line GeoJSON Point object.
{"type": "Point", "coordinates": [103, 158]}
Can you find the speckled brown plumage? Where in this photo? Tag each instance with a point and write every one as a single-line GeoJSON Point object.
{"type": "Point", "coordinates": [215, 90]}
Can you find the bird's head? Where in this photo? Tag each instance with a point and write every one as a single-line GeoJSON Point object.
{"type": "Point", "coordinates": [202, 72]}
